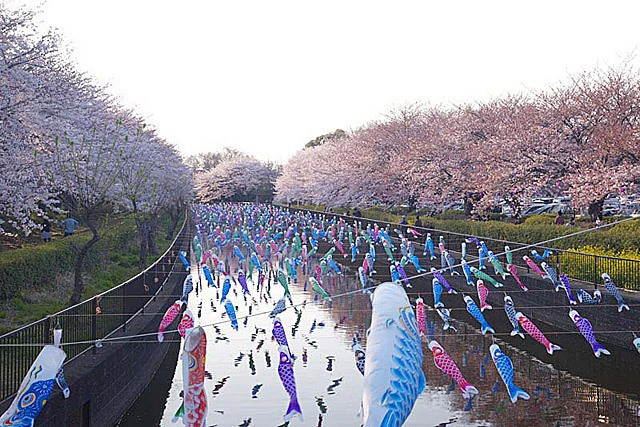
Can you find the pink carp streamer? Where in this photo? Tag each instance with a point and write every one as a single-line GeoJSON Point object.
{"type": "Point", "coordinates": [446, 364]}
{"type": "Point", "coordinates": [536, 333]}
{"type": "Point", "coordinates": [483, 293]}
{"type": "Point", "coordinates": [421, 316]}
{"type": "Point", "coordinates": [186, 323]}
{"type": "Point", "coordinates": [168, 318]}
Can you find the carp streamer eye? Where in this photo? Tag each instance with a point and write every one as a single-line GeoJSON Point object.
{"type": "Point", "coordinates": [28, 400]}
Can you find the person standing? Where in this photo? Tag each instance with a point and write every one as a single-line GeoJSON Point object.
{"type": "Point", "coordinates": [595, 210]}
{"type": "Point", "coordinates": [69, 226]}
{"type": "Point", "coordinates": [46, 230]}
{"type": "Point", "coordinates": [418, 222]}
{"type": "Point", "coordinates": [404, 223]}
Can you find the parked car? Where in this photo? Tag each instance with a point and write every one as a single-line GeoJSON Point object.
{"type": "Point", "coordinates": [542, 201]}
{"type": "Point", "coordinates": [458, 205]}
{"type": "Point", "coordinates": [563, 199]}
{"type": "Point", "coordinates": [610, 210]}
{"type": "Point", "coordinates": [537, 209]}
{"type": "Point", "coordinates": [506, 210]}
{"type": "Point", "coordinates": [534, 209]}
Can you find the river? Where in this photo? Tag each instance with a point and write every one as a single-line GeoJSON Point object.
{"type": "Point", "coordinates": [244, 388]}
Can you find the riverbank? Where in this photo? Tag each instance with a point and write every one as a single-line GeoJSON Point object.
{"type": "Point", "coordinates": [37, 280]}
{"type": "Point", "coordinates": [621, 241]}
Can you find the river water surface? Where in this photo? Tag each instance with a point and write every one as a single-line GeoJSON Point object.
{"type": "Point", "coordinates": [245, 389]}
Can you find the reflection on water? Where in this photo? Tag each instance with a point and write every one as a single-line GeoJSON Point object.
{"type": "Point", "coordinates": [244, 388]}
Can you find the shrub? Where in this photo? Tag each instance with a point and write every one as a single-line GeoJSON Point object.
{"type": "Point", "coordinates": [622, 265]}
{"type": "Point", "coordinates": [542, 219]}
{"type": "Point", "coordinates": [451, 215]}
{"type": "Point", "coordinates": [35, 267]}
{"type": "Point", "coordinates": [537, 228]}
{"type": "Point", "coordinates": [381, 216]}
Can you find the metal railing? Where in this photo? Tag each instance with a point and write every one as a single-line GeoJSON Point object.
{"type": "Point", "coordinates": [579, 266]}
{"type": "Point", "coordinates": [90, 320]}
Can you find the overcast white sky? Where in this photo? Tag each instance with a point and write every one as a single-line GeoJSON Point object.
{"type": "Point", "coordinates": [267, 76]}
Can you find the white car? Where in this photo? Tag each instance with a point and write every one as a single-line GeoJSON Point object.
{"type": "Point", "coordinates": [536, 209]}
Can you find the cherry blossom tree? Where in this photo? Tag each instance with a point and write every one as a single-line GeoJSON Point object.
{"type": "Point", "coordinates": [598, 117]}
{"type": "Point", "coordinates": [85, 174]}
{"type": "Point", "coordinates": [24, 58]}
{"type": "Point", "coordinates": [240, 178]}
{"type": "Point", "coordinates": [153, 178]}
{"type": "Point", "coordinates": [66, 145]}
{"type": "Point", "coordinates": [580, 138]}
{"type": "Point", "coordinates": [206, 162]}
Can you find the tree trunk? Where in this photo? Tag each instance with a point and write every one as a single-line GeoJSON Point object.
{"type": "Point", "coordinates": [174, 213]}
{"type": "Point", "coordinates": [143, 231]}
{"type": "Point", "coordinates": [78, 284]}
{"type": "Point", "coordinates": [468, 206]}
{"type": "Point", "coordinates": [595, 210]}
{"type": "Point", "coordinates": [151, 235]}
{"type": "Point", "coordinates": [411, 202]}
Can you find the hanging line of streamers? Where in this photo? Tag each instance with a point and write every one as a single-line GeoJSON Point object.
{"type": "Point", "coordinates": [404, 396]}
{"type": "Point", "coordinates": [547, 250]}
{"type": "Point", "coordinates": [385, 344]}
{"type": "Point", "coordinates": [396, 301]}
{"type": "Point", "coordinates": [435, 231]}
{"type": "Point", "coordinates": [126, 340]}
{"type": "Point", "coordinates": [418, 275]}
{"type": "Point", "coordinates": [535, 307]}
{"type": "Point", "coordinates": [378, 275]}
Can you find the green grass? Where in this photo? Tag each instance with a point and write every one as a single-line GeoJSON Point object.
{"type": "Point", "coordinates": [45, 289]}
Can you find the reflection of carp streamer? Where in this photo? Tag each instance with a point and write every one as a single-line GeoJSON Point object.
{"type": "Point", "coordinates": [393, 376]}
{"type": "Point", "coordinates": [359, 354]}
